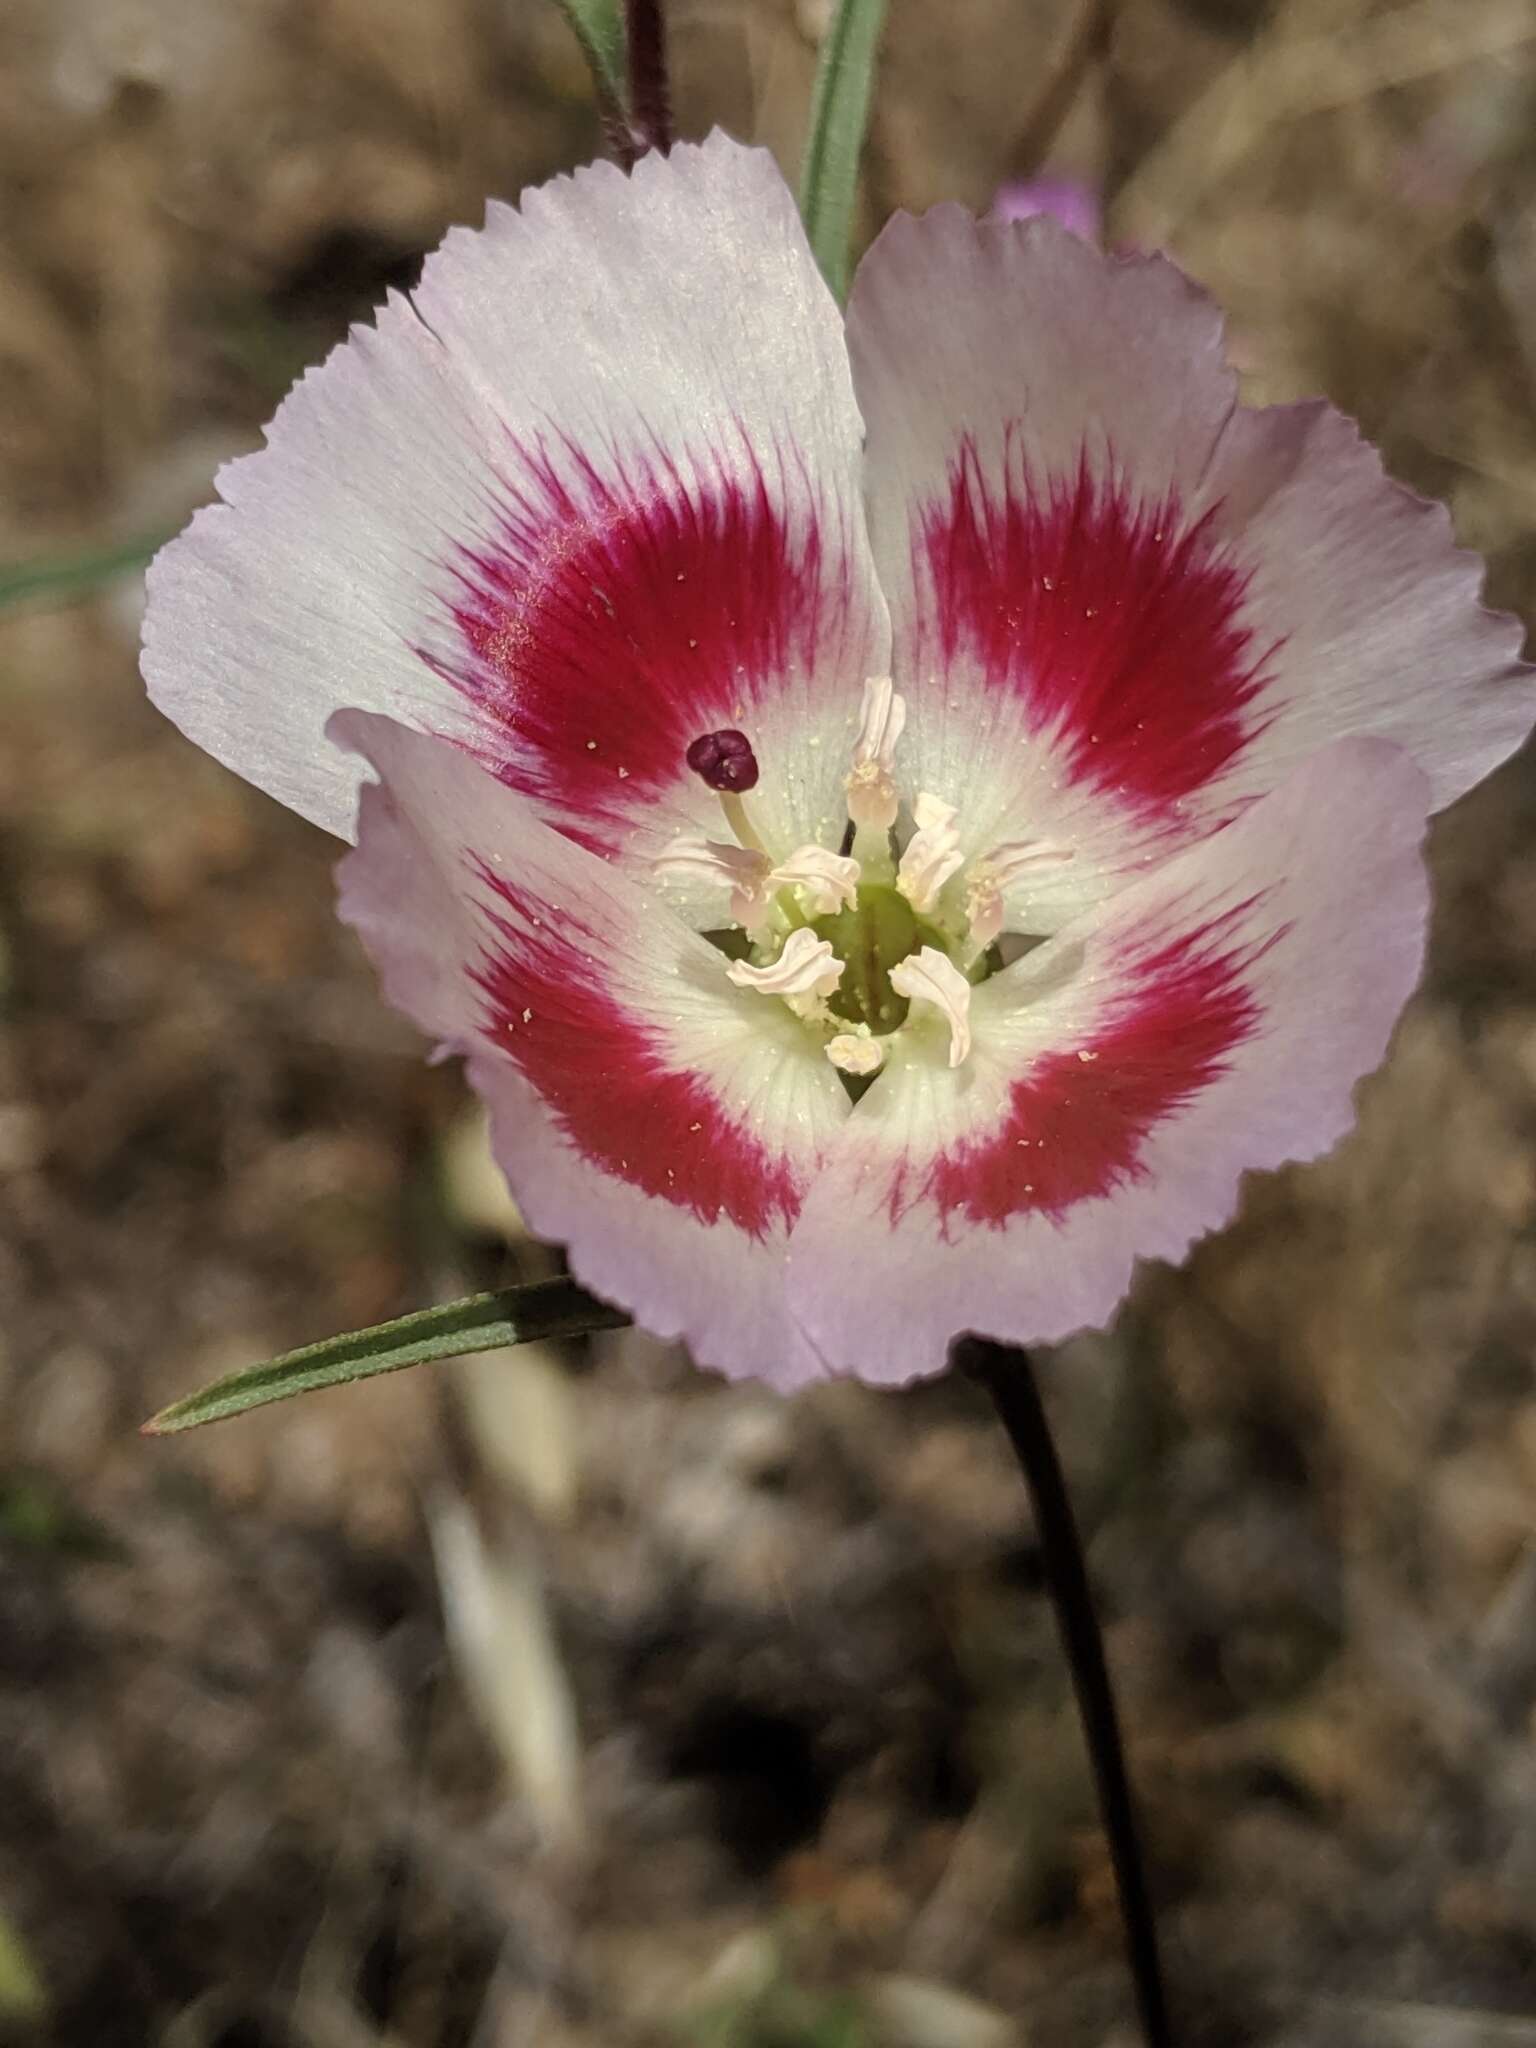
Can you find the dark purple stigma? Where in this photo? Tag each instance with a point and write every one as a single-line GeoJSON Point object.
{"type": "Point", "coordinates": [725, 761]}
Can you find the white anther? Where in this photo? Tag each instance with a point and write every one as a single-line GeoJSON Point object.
{"type": "Point", "coordinates": [932, 977]}
{"type": "Point", "coordinates": [990, 878]}
{"type": "Point", "coordinates": [856, 1052]}
{"type": "Point", "coordinates": [983, 910]}
{"type": "Point", "coordinates": [830, 881]}
{"type": "Point", "coordinates": [806, 967]}
{"type": "Point", "coordinates": [743, 871]}
{"type": "Point", "coordinates": [933, 853]}
{"type": "Point", "coordinates": [871, 788]}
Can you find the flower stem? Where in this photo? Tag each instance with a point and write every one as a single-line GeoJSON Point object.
{"type": "Point", "coordinates": [1009, 1378]}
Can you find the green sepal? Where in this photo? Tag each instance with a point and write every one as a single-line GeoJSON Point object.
{"type": "Point", "coordinates": [839, 116]}
{"type": "Point", "coordinates": [598, 25]}
{"type": "Point", "coordinates": [480, 1322]}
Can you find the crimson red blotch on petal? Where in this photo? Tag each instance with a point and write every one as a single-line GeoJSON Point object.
{"type": "Point", "coordinates": [1076, 1123]}
{"type": "Point", "coordinates": [627, 609]}
{"type": "Point", "coordinates": [1115, 620]}
{"type": "Point", "coordinates": [606, 1076]}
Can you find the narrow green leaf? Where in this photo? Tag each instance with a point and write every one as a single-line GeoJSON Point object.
{"type": "Point", "coordinates": [839, 116]}
{"type": "Point", "coordinates": [598, 25]}
{"type": "Point", "coordinates": [62, 578]}
{"type": "Point", "coordinates": [480, 1322]}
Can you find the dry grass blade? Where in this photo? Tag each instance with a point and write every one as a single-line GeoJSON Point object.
{"type": "Point", "coordinates": [1291, 73]}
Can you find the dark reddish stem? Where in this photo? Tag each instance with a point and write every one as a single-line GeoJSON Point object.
{"type": "Point", "coordinates": [1009, 1378]}
{"type": "Point", "coordinates": [650, 91]}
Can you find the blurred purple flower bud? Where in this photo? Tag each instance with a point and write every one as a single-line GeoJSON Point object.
{"type": "Point", "coordinates": [1069, 200]}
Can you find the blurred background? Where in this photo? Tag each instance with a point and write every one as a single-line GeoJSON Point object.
{"type": "Point", "coordinates": [571, 1698]}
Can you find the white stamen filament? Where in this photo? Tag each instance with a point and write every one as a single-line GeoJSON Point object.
{"type": "Point", "coordinates": [932, 977]}
{"type": "Point", "coordinates": [806, 967]}
{"type": "Point", "coordinates": [871, 787]}
{"type": "Point", "coordinates": [856, 1052]}
{"type": "Point", "coordinates": [932, 855]}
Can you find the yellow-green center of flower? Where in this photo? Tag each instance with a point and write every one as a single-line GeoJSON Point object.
{"type": "Point", "coordinates": [854, 941]}
{"type": "Point", "coordinates": [877, 931]}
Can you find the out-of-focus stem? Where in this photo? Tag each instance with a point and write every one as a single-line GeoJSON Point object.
{"type": "Point", "coordinates": [1008, 1376]}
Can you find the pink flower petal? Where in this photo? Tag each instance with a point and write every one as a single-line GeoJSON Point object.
{"type": "Point", "coordinates": [1213, 1018]}
{"type": "Point", "coordinates": [593, 491]}
{"type": "Point", "coordinates": [1038, 416]}
{"type": "Point", "coordinates": [660, 1123]}
{"type": "Point", "coordinates": [1071, 201]}
{"type": "Point", "coordinates": [1371, 615]}
{"type": "Point", "coordinates": [1121, 603]}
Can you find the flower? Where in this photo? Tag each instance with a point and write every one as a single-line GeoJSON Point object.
{"type": "Point", "coordinates": [898, 818]}
{"type": "Point", "coordinates": [1072, 201]}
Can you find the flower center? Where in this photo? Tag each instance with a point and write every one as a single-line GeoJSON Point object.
{"type": "Point", "coordinates": [871, 937]}
{"type": "Point", "coordinates": [864, 942]}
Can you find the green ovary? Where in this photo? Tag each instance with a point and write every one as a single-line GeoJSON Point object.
{"type": "Point", "coordinates": [876, 934]}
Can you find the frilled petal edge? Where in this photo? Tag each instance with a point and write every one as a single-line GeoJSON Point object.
{"type": "Point", "coordinates": [593, 489]}
{"type": "Point", "coordinates": [1123, 603]}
